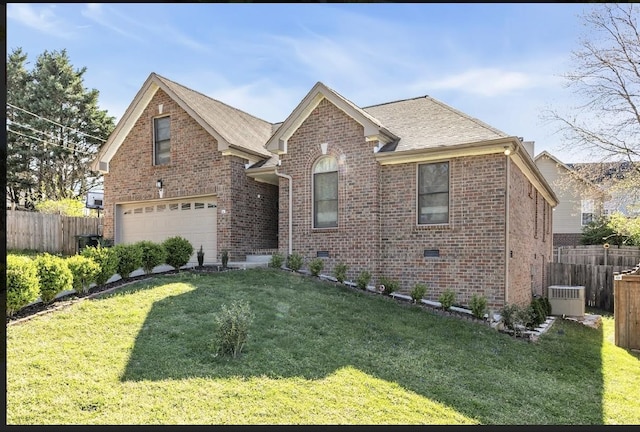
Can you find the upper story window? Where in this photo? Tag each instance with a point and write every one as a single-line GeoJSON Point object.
{"type": "Point", "coordinates": [325, 193]}
{"type": "Point", "coordinates": [588, 211]}
{"type": "Point", "coordinates": [433, 193]}
{"type": "Point", "coordinates": [161, 141]}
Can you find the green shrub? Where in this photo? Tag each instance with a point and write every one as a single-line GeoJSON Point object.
{"type": "Point", "coordinates": [315, 266]}
{"type": "Point", "coordinates": [233, 323]}
{"type": "Point", "coordinates": [447, 299]}
{"type": "Point", "coordinates": [23, 285]}
{"type": "Point", "coordinates": [547, 305]}
{"type": "Point", "coordinates": [478, 305]}
{"type": "Point", "coordinates": [179, 251]}
{"type": "Point", "coordinates": [418, 292]}
{"type": "Point", "coordinates": [363, 279]}
{"type": "Point", "coordinates": [84, 271]}
{"type": "Point", "coordinates": [277, 259]}
{"type": "Point", "coordinates": [294, 261]}
{"type": "Point", "coordinates": [54, 276]}
{"type": "Point", "coordinates": [129, 259]}
{"type": "Point", "coordinates": [340, 272]}
{"type": "Point", "coordinates": [153, 254]}
{"type": "Point", "coordinates": [225, 258]}
{"type": "Point", "coordinates": [389, 285]}
{"type": "Point", "coordinates": [106, 258]}
{"type": "Point", "coordinates": [515, 317]}
{"type": "Point", "coordinates": [539, 312]}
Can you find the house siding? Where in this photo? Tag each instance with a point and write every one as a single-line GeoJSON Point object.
{"type": "Point", "coordinates": [471, 246]}
{"type": "Point", "coordinates": [196, 168]}
{"type": "Point", "coordinates": [530, 239]}
{"type": "Point", "coordinates": [355, 241]}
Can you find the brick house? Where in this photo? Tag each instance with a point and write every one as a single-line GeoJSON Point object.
{"type": "Point", "coordinates": [413, 190]}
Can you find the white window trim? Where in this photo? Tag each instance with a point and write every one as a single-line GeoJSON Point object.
{"type": "Point", "coordinates": [313, 192]}
{"type": "Point", "coordinates": [417, 196]}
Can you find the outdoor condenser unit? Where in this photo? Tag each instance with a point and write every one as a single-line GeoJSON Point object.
{"type": "Point", "coordinates": [567, 300]}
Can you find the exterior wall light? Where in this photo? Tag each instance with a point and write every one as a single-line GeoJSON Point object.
{"type": "Point", "coordinates": [160, 188]}
{"type": "Point", "coordinates": [507, 151]}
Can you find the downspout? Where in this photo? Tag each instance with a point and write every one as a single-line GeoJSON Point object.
{"type": "Point", "coordinates": [288, 177]}
{"type": "Point", "coordinates": [506, 236]}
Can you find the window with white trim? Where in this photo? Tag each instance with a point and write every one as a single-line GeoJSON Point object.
{"type": "Point", "coordinates": [325, 193]}
{"type": "Point", "coordinates": [433, 193]}
{"type": "Point", "coordinates": [588, 210]}
{"type": "Point", "coordinates": [161, 141]}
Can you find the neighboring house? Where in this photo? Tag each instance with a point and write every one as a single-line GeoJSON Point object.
{"type": "Point", "coordinates": [413, 190]}
{"type": "Point", "coordinates": [580, 200]}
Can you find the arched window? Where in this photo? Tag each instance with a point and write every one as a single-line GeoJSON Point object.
{"type": "Point", "coordinates": [325, 193]}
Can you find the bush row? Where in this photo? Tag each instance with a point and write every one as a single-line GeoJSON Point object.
{"type": "Point", "coordinates": [47, 275]}
{"type": "Point", "coordinates": [385, 286]}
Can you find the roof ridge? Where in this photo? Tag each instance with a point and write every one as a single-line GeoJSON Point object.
{"type": "Point", "coordinates": [213, 99]}
{"type": "Point", "coordinates": [395, 101]}
{"type": "Point", "coordinates": [468, 117]}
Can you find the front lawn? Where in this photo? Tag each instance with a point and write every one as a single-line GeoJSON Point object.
{"type": "Point", "coordinates": [318, 353]}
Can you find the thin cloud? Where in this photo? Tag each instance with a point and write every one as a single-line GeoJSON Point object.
{"type": "Point", "coordinates": [96, 12]}
{"type": "Point", "coordinates": [41, 18]}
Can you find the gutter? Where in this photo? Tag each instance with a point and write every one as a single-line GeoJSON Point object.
{"type": "Point", "coordinates": [506, 234]}
{"type": "Point", "coordinates": [288, 177]}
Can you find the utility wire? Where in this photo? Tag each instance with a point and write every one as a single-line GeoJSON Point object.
{"type": "Point", "coordinates": [55, 123]}
{"type": "Point", "coordinates": [50, 143]}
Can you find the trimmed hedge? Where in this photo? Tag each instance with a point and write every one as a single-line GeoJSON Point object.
{"type": "Point", "coordinates": [84, 272]}
{"type": "Point", "coordinates": [179, 251]}
{"type": "Point", "coordinates": [106, 258]}
{"type": "Point", "coordinates": [129, 259]}
{"type": "Point", "coordinates": [153, 255]}
{"type": "Point", "coordinates": [23, 284]}
{"type": "Point", "coordinates": [54, 275]}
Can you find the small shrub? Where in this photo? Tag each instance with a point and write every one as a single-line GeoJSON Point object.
{"type": "Point", "coordinates": [547, 305]}
{"type": "Point", "coordinates": [340, 272]}
{"type": "Point", "coordinates": [106, 258]}
{"type": "Point", "coordinates": [418, 292]}
{"type": "Point", "coordinates": [84, 271]}
{"type": "Point", "coordinates": [447, 299]}
{"type": "Point", "coordinates": [233, 324]}
{"type": "Point", "coordinates": [478, 305]}
{"type": "Point", "coordinates": [389, 285]}
{"type": "Point", "coordinates": [54, 276]}
{"type": "Point", "coordinates": [277, 259]}
{"type": "Point", "coordinates": [539, 312]}
{"type": "Point", "coordinates": [363, 279]}
{"type": "Point", "coordinates": [129, 259]}
{"type": "Point", "coordinates": [224, 258]}
{"type": "Point", "coordinates": [153, 255]}
{"type": "Point", "coordinates": [315, 266]}
{"type": "Point", "coordinates": [515, 317]}
{"type": "Point", "coordinates": [294, 261]}
{"type": "Point", "coordinates": [179, 251]}
{"type": "Point", "coordinates": [23, 285]}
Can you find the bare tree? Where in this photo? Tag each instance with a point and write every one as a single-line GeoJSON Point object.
{"type": "Point", "coordinates": [605, 81]}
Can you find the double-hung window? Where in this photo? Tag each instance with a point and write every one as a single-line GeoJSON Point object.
{"type": "Point", "coordinates": [325, 193]}
{"type": "Point", "coordinates": [161, 141]}
{"type": "Point", "coordinates": [588, 211]}
{"type": "Point", "coordinates": [433, 193]}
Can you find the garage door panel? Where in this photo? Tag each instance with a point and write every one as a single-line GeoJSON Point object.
{"type": "Point", "coordinates": [193, 219]}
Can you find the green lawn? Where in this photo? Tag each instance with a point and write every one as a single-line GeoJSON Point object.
{"type": "Point", "coordinates": [318, 353]}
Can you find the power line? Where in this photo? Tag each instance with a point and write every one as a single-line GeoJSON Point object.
{"type": "Point", "coordinates": [46, 134]}
{"type": "Point", "coordinates": [50, 143]}
{"type": "Point", "coordinates": [55, 123]}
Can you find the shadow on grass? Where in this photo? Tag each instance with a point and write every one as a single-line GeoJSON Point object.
{"type": "Point", "coordinates": [310, 329]}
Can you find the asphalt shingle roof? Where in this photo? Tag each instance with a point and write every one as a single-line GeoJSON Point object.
{"type": "Point", "coordinates": [425, 122]}
{"type": "Point", "coordinates": [235, 126]}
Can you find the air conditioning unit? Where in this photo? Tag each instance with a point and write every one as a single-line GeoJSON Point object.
{"type": "Point", "coordinates": [567, 300]}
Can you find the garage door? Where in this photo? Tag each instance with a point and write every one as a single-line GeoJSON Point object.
{"type": "Point", "coordinates": [191, 218]}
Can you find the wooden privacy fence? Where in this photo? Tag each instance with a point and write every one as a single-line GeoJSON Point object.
{"type": "Point", "coordinates": [596, 279]}
{"type": "Point", "coordinates": [47, 232]}
{"type": "Point", "coordinates": [625, 256]}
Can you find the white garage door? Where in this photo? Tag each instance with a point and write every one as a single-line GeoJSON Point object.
{"type": "Point", "coordinates": [191, 218]}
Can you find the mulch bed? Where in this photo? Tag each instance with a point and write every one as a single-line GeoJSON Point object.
{"type": "Point", "coordinates": [66, 300]}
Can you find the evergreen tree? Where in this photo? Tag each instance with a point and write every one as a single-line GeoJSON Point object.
{"type": "Point", "coordinates": [56, 129]}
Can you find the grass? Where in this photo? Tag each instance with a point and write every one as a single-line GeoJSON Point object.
{"type": "Point", "coordinates": [317, 353]}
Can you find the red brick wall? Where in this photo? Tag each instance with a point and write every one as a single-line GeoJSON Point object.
{"type": "Point", "coordinates": [530, 242]}
{"type": "Point", "coordinates": [196, 168]}
{"type": "Point", "coordinates": [471, 246]}
{"type": "Point", "coordinates": [356, 239]}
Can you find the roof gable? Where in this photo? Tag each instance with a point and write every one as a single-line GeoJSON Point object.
{"type": "Point", "coordinates": [373, 128]}
{"type": "Point", "coordinates": [232, 128]}
{"type": "Point", "coordinates": [568, 170]}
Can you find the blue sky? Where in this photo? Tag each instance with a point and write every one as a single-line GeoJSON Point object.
{"type": "Point", "coordinates": [500, 63]}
